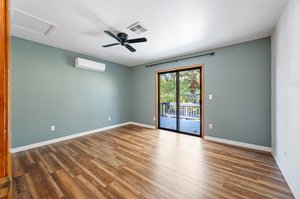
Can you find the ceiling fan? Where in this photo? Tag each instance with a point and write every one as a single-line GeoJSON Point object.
{"type": "Point", "coordinates": [122, 39]}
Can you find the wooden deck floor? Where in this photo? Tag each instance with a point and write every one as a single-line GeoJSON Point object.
{"type": "Point", "coordinates": [134, 162]}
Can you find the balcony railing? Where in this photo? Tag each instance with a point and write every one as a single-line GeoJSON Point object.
{"type": "Point", "coordinates": [186, 110]}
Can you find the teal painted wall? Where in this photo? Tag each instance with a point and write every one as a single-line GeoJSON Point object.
{"type": "Point", "coordinates": [47, 89]}
{"type": "Point", "coordinates": [238, 77]}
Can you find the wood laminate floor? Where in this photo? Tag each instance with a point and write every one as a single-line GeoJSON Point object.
{"type": "Point", "coordinates": [135, 162]}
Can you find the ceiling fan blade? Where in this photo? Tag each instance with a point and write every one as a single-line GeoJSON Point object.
{"type": "Point", "coordinates": [130, 48]}
{"type": "Point", "coordinates": [137, 40]}
{"type": "Point", "coordinates": [112, 35]}
{"type": "Point", "coordinates": [111, 45]}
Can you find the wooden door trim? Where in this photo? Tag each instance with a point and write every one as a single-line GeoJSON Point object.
{"type": "Point", "coordinates": [202, 92]}
{"type": "Point", "coordinates": [5, 145]}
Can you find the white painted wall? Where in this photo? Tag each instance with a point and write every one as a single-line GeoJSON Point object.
{"type": "Point", "coordinates": [286, 95]}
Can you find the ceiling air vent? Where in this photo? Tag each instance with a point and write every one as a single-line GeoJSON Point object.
{"type": "Point", "coordinates": [137, 28]}
{"type": "Point", "coordinates": [31, 23]}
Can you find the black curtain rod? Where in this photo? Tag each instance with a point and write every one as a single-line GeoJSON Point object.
{"type": "Point", "coordinates": [202, 55]}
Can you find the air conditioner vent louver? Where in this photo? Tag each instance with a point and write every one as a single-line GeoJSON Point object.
{"type": "Point", "coordinates": [31, 23]}
{"type": "Point", "coordinates": [137, 28]}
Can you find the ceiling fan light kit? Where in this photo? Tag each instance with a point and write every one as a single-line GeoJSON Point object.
{"type": "Point", "coordinates": [123, 40]}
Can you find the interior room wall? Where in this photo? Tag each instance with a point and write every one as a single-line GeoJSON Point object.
{"type": "Point", "coordinates": [238, 77]}
{"type": "Point", "coordinates": [286, 94]}
{"type": "Point", "coordinates": [47, 87]}
{"type": "Point", "coordinates": [47, 90]}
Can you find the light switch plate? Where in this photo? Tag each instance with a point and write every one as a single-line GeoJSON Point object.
{"type": "Point", "coordinates": [210, 97]}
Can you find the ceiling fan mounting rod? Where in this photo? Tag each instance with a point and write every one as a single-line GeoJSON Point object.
{"type": "Point", "coordinates": [123, 36]}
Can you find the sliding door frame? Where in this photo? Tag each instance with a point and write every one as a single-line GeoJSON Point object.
{"type": "Point", "coordinates": [202, 97]}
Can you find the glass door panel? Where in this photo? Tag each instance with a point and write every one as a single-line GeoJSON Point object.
{"type": "Point", "coordinates": [167, 101]}
{"type": "Point", "coordinates": [189, 101]}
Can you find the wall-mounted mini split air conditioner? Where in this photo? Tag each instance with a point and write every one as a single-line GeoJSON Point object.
{"type": "Point", "coordinates": [89, 65]}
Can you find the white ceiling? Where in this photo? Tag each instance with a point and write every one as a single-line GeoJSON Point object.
{"type": "Point", "coordinates": [176, 27]}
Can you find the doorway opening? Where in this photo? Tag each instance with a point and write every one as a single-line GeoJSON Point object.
{"type": "Point", "coordinates": [180, 100]}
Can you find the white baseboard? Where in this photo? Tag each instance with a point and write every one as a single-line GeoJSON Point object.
{"type": "Point", "coordinates": [241, 144]}
{"type": "Point", "coordinates": [287, 177]}
{"type": "Point", "coordinates": [143, 125]}
{"type": "Point", "coordinates": [30, 146]}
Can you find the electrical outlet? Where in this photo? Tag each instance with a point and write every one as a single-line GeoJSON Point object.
{"type": "Point", "coordinates": [52, 128]}
{"type": "Point", "coordinates": [210, 97]}
{"type": "Point", "coordinates": [153, 118]}
{"type": "Point", "coordinates": [210, 126]}
{"type": "Point", "coordinates": [109, 118]}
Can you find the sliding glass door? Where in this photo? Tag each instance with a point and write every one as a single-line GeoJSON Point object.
{"type": "Point", "coordinates": [179, 96]}
{"type": "Point", "coordinates": [189, 101]}
{"type": "Point", "coordinates": [168, 100]}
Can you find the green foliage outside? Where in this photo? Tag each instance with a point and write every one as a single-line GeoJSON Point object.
{"type": "Point", "coordinates": [189, 87]}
